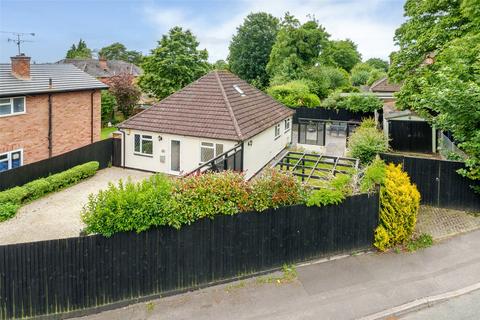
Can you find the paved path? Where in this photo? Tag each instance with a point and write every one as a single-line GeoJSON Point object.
{"type": "Point", "coordinates": [58, 214]}
{"type": "Point", "coordinates": [441, 223]}
{"type": "Point", "coordinates": [348, 288]}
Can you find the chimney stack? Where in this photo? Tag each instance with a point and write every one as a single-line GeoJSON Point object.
{"type": "Point", "coordinates": [103, 63]}
{"type": "Point", "coordinates": [21, 67]}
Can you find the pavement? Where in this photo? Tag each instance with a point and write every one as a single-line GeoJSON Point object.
{"type": "Point", "coordinates": [465, 307]}
{"type": "Point", "coordinates": [57, 215]}
{"type": "Point", "coordinates": [351, 287]}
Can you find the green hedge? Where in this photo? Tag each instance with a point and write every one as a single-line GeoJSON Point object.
{"type": "Point", "coordinates": [11, 199]}
{"type": "Point", "coordinates": [161, 201]}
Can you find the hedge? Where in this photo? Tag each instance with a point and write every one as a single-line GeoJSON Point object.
{"type": "Point", "coordinates": [12, 199]}
{"type": "Point", "coordinates": [163, 201]}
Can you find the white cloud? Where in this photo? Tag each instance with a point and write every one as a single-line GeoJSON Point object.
{"type": "Point", "coordinates": [342, 19]}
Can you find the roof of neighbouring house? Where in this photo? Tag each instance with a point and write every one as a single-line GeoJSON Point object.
{"type": "Point", "coordinates": [383, 85]}
{"type": "Point", "coordinates": [94, 68]}
{"type": "Point", "coordinates": [64, 78]}
{"type": "Point", "coordinates": [219, 105]}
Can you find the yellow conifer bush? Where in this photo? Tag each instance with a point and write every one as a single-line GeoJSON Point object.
{"type": "Point", "coordinates": [399, 203]}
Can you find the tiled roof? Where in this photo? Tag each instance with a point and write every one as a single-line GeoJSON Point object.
{"type": "Point", "coordinates": [383, 85]}
{"type": "Point", "coordinates": [211, 107]}
{"type": "Point", "coordinates": [93, 67]}
{"type": "Point", "coordinates": [64, 78]}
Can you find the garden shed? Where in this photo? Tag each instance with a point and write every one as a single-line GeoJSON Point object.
{"type": "Point", "coordinates": [201, 122]}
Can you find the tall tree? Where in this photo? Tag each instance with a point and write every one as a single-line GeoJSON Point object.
{"type": "Point", "coordinates": [439, 61]}
{"type": "Point", "coordinates": [221, 65]}
{"type": "Point", "coordinates": [429, 26]}
{"type": "Point", "coordinates": [79, 51]}
{"type": "Point", "coordinates": [118, 51]}
{"type": "Point", "coordinates": [126, 93]}
{"type": "Point", "coordinates": [173, 64]}
{"type": "Point", "coordinates": [297, 47]}
{"type": "Point", "coordinates": [341, 53]}
{"type": "Point", "coordinates": [251, 46]}
{"type": "Point", "coordinates": [378, 63]}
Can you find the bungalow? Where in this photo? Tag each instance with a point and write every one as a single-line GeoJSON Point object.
{"type": "Point", "coordinates": [203, 120]}
{"type": "Point", "coordinates": [45, 110]}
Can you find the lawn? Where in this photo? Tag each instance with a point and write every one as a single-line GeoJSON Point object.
{"type": "Point", "coordinates": [106, 132]}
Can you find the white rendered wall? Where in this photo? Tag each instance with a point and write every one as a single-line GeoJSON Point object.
{"type": "Point", "coordinates": [189, 152]}
{"type": "Point", "coordinates": [264, 147]}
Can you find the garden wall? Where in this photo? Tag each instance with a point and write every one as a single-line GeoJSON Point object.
{"type": "Point", "coordinates": [100, 151]}
{"type": "Point", "coordinates": [70, 275]}
{"type": "Point", "coordinates": [438, 182]}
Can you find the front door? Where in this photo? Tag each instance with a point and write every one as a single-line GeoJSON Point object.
{"type": "Point", "coordinates": [175, 155]}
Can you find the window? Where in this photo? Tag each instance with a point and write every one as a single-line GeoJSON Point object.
{"type": "Point", "coordinates": [11, 106]}
{"type": "Point", "coordinates": [287, 124]}
{"type": "Point", "coordinates": [11, 160]}
{"type": "Point", "coordinates": [209, 150]}
{"type": "Point", "coordinates": [277, 131]}
{"type": "Point", "coordinates": [143, 144]}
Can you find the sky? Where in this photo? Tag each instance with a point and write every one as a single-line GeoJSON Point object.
{"type": "Point", "coordinates": [139, 24]}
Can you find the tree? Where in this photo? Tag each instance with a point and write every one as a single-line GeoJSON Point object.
{"type": "Point", "coordinates": [79, 51]}
{"type": "Point", "coordinates": [221, 65]}
{"type": "Point", "coordinates": [322, 79]}
{"type": "Point", "coordinates": [107, 106]}
{"type": "Point", "coordinates": [363, 74]}
{"type": "Point", "coordinates": [251, 46]}
{"type": "Point", "coordinates": [429, 26]}
{"type": "Point", "coordinates": [126, 93]}
{"type": "Point", "coordinates": [446, 88]}
{"type": "Point", "coordinates": [173, 64]}
{"type": "Point", "coordinates": [294, 94]}
{"type": "Point", "coordinates": [297, 47]}
{"type": "Point", "coordinates": [378, 63]}
{"type": "Point", "coordinates": [118, 51]}
{"type": "Point", "coordinates": [342, 53]}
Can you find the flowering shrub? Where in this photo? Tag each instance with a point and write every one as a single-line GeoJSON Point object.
{"type": "Point", "coordinates": [160, 201]}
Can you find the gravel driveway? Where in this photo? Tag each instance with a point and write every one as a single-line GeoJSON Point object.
{"type": "Point", "coordinates": [58, 214]}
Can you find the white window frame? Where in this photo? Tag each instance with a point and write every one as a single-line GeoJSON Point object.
{"type": "Point", "coordinates": [288, 124]}
{"type": "Point", "coordinates": [214, 147]}
{"type": "Point", "coordinates": [9, 158]}
{"type": "Point", "coordinates": [142, 138]}
{"type": "Point", "coordinates": [12, 113]}
{"type": "Point", "coordinates": [278, 132]}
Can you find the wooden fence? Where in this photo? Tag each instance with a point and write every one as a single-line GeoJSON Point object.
{"type": "Point", "coordinates": [100, 151]}
{"type": "Point", "coordinates": [320, 113]}
{"type": "Point", "coordinates": [438, 182]}
{"type": "Point", "coordinates": [74, 274]}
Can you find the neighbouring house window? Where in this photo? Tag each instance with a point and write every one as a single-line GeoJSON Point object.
{"type": "Point", "coordinates": [11, 106]}
{"type": "Point", "coordinates": [287, 125]}
{"type": "Point", "coordinates": [11, 160]}
{"type": "Point", "coordinates": [277, 131]}
{"type": "Point", "coordinates": [143, 144]}
{"type": "Point", "coordinates": [209, 150]}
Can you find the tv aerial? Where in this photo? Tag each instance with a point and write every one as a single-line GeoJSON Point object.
{"type": "Point", "coordinates": [18, 38]}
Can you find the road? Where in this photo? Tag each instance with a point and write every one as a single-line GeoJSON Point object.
{"type": "Point", "coordinates": [466, 307]}
{"type": "Point", "coordinates": [348, 288]}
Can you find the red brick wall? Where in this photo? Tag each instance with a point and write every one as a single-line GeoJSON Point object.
{"type": "Point", "coordinates": [70, 125]}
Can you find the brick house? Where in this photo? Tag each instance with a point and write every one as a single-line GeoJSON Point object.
{"type": "Point", "coordinates": [45, 110]}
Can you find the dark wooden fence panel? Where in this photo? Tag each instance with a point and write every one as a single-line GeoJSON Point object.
{"type": "Point", "coordinates": [411, 136]}
{"type": "Point", "coordinates": [100, 151]}
{"type": "Point", "coordinates": [58, 276]}
{"type": "Point", "coordinates": [329, 114]}
{"type": "Point", "coordinates": [438, 182]}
